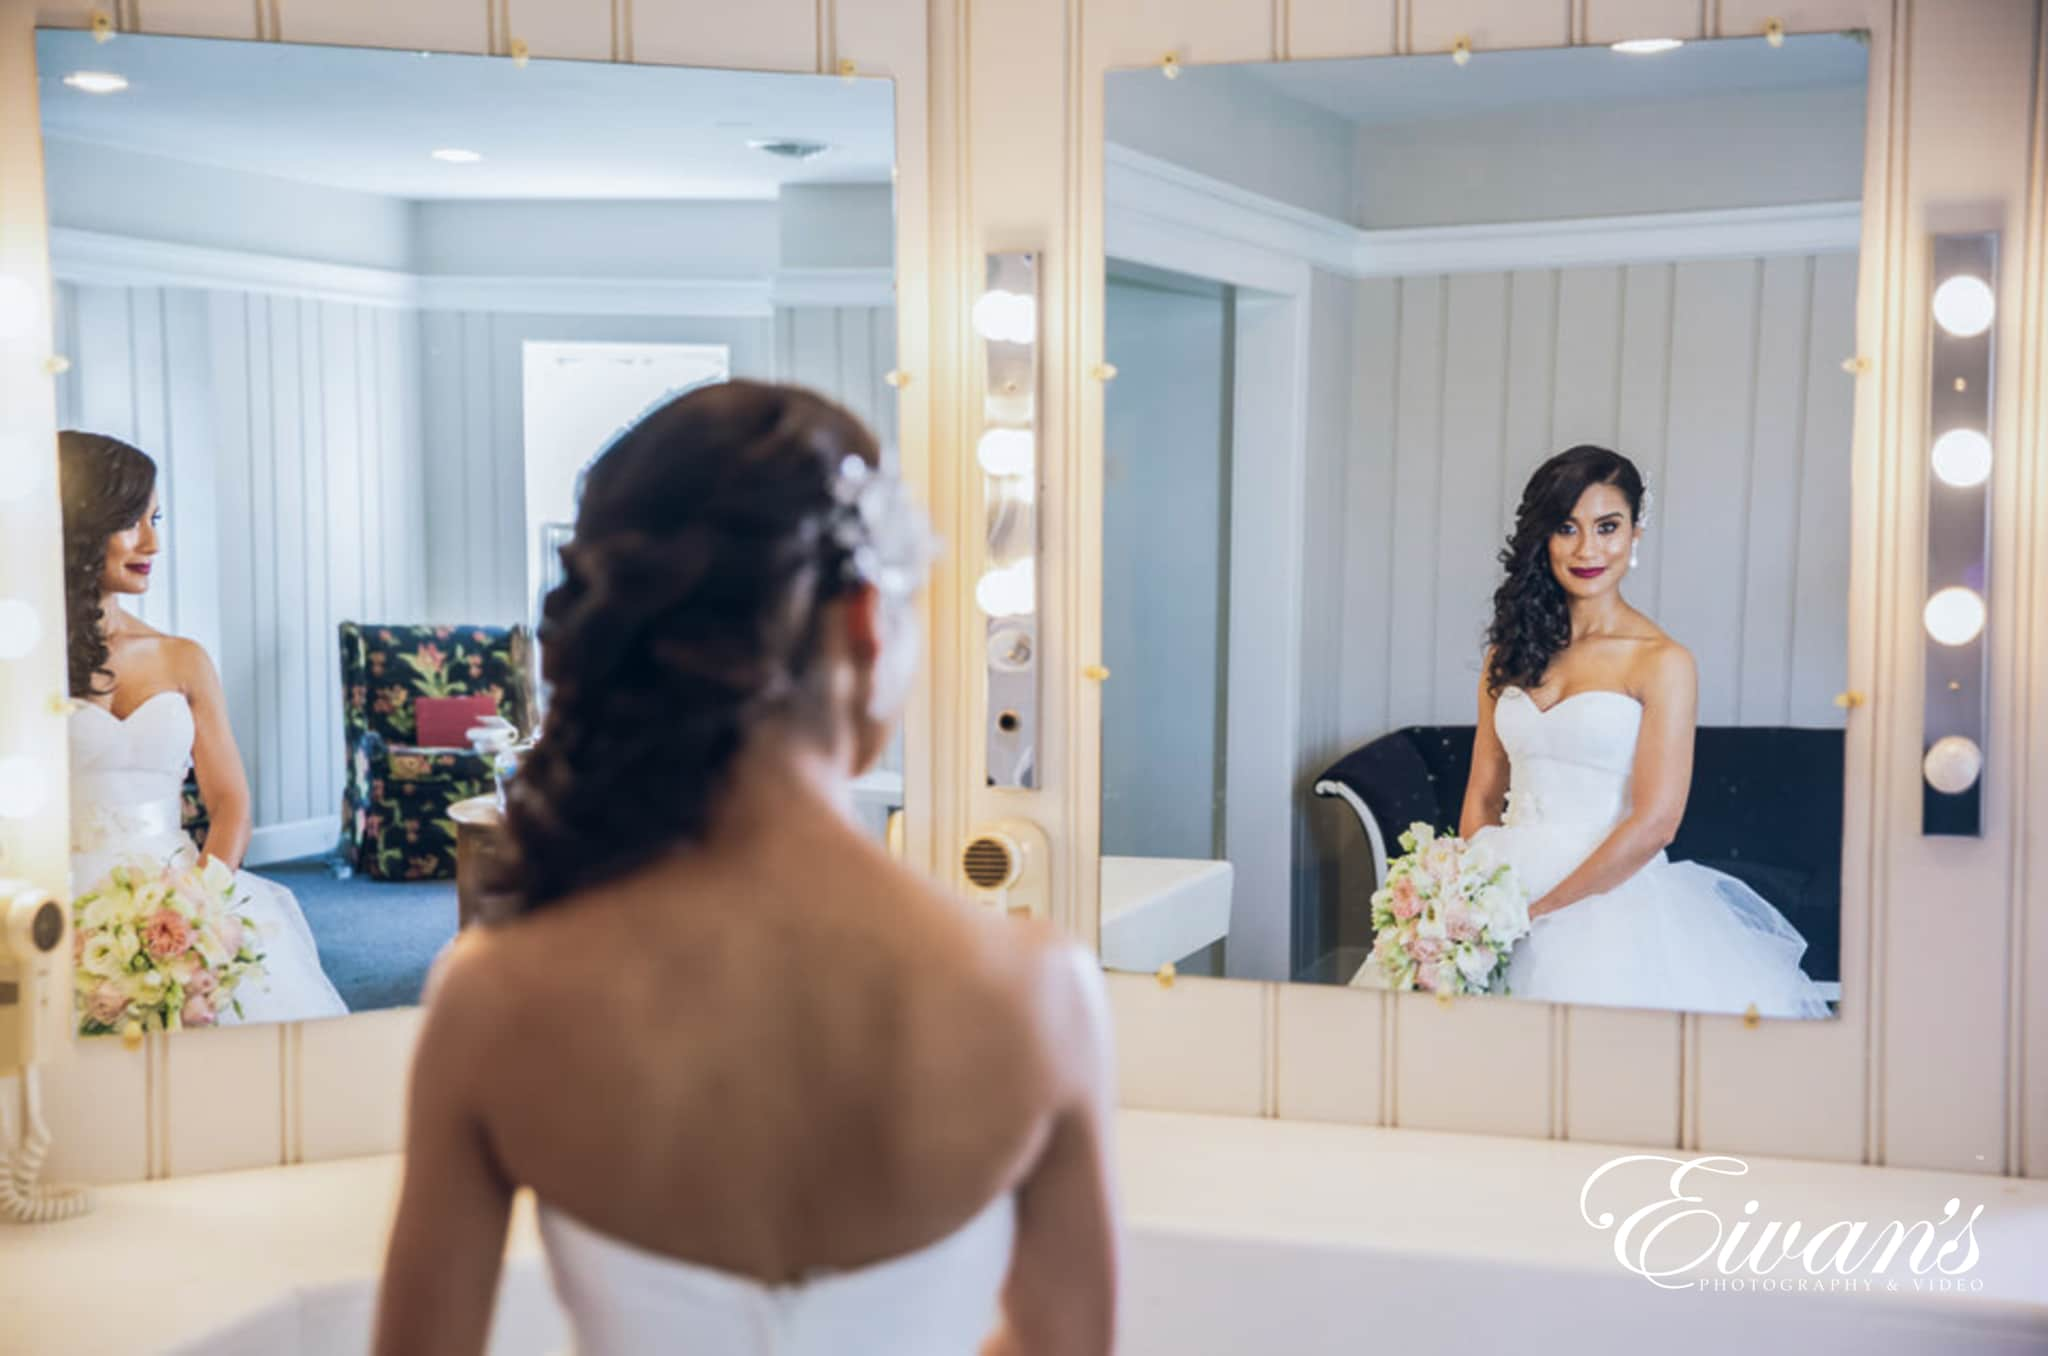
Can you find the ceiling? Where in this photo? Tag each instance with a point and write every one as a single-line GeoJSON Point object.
{"type": "Point", "coordinates": [367, 120]}
{"type": "Point", "coordinates": [1377, 91]}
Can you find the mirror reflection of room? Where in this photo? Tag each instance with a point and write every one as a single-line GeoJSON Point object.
{"type": "Point", "coordinates": [1475, 574]}
{"type": "Point", "coordinates": [345, 329]}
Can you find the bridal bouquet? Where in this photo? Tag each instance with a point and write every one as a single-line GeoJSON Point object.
{"type": "Point", "coordinates": [1447, 916]}
{"type": "Point", "coordinates": [160, 945]}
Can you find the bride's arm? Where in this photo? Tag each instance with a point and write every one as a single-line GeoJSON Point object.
{"type": "Point", "coordinates": [1658, 787]}
{"type": "Point", "coordinates": [223, 785]}
{"type": "Point", "coordinates": [1486, 791]}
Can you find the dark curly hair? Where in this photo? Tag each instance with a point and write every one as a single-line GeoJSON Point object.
{"type": "Point", "coordinates": [1532, 619]}
{"type": "Point", "coordinates": [105, 485]}
{"type": "Point", "coordinates": [705, 550]}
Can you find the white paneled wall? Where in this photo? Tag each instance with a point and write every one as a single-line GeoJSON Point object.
{"type": "Point", "coordinates": [1739, 415]}
{"type": "Point", "coordinates": [287, 438]}
{"type": "Point", "coordinates": [1000, 106]}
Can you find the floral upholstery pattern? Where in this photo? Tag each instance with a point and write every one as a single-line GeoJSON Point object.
{"type": "Point", "coordinates": [396, 795]}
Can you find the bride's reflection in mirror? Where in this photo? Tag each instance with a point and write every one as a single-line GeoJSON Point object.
{"type": "Point", "coordinates": [170, 933]}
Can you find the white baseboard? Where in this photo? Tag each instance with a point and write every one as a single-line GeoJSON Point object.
{"type": "Point", "coordinates": [289, 842]}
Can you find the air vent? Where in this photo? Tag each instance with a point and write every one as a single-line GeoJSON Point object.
{"type": "Point", "coordinates": [789, 149]}
{"type": "Point", "coordinates": [991, 861]}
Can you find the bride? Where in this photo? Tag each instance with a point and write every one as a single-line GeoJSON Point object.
{"type": "Point", "coordinates": [1582, 764]}
{"type": "Point", "coordinates": [150, 707]}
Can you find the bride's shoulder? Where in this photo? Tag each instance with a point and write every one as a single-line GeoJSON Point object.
{"type": "Point", "coordinates": [1665, 667]}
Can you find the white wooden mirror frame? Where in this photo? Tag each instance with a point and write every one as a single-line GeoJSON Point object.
{"type": "Point", "coordinates": [1925, 1066]}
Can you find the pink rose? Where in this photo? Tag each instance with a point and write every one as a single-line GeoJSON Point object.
{"type": "Point", "coordinates": [166, 934]}
{"type": "Point", "coordinates": [79, 938]}
{"type": "Point", "coordinates": [230, 929]}
{"type": "Point", "coordinates": [1459, 922]}
{"type": "Point", "coordinates": [1407, 903]}
{"type": "Point", "coordinates": [197, 1011]}
{"type": "Point", "coordinates": [203, 984]}
{"type": "Point", "coordinates": [1427, 949]}
{"type": "Point", "coordinates": [106, 1004]}
{"type": "Point", "coordinates": [1425, 976]}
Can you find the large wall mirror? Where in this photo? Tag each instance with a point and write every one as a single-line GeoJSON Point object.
{"type": "Point", "coordinates": [344, 329]}
{"type": "Point", "coordinates": [1476, 549]}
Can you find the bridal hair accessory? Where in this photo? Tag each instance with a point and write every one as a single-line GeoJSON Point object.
{"type": "Point", "coordinates": [887, 539]}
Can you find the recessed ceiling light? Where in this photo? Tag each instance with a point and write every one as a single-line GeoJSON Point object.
{"type": "Point", "coordinates": [1648, 46]}
{"type": "Point", "coordinates": [455, 155]}
{"type": "Point", "coordinates": [789, 149]}
{"type": "Point", "coordinates": [97, 82]}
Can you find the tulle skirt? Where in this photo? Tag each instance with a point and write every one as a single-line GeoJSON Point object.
{"type": "Point", "coordinates": [1674, 935]}
{"type": "Point", "coordinates": [291, 986]}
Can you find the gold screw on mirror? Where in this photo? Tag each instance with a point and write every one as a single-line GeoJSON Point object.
{"type": "Point", "coordinates": [896, 377]}
{"type": "Point", "coordinates": [131, 1035]}
{"type": "Point", "coordinates": [56, 364]}
{"type": "Point", "coordinates": [1443, 998]}
{"type": "Point", "coordinates": [1461, 51]}
{"type": "Point", "coordinates": [61, 705]}
{"type": "Point", "coordinates": [1774, 32]}
{"type": "Point", "coordinates": [1849, 701]}
{"type": "Point", "coordinates": [1166, 975]}
{"type": "Point", "coordinates": [1856, 366]}
{"type": "Point", "coordinates": [1752, 1018]}
{"type": "Point", "coordinates": [519, 52]}
{"type": "Point", "coordinates": [1103, 372]}
{"type": "Point", "coordinates": [1169, 66]}
{"type": "Point", "coordinates": [847, 69]}
{"type": "Point", "coordinates": [1096, 673]}
{"type": "Point", "coordinates": [102, 26]}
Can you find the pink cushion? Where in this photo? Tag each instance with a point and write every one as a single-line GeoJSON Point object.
{"type": "Point", "coordinates": [444, 722]}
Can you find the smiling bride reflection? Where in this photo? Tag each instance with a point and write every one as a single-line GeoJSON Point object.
{"type": "Point", "coordinates": [170, 934]}
{"type": "Point", "coordinates": [1581, 768]}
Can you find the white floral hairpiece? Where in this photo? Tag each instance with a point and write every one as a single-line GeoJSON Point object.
{"type": "Point", "coordinates": [888, 541]}
{"type": "Point", "coordinates": [1643, 514]}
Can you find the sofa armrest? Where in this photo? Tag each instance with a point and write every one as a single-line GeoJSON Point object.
{"type": "Point", "coordinates": [375, 759]}
{"type": "Point", "coordinates": [1374, 835]}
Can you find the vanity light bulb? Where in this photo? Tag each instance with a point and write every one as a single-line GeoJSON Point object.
{"type": "Point", "coordinates": [1007, 591]}
{"type": "Point", "coordinates": [1955, 616]}
{"type": "Point", "coordinates": [96, 82]}
{"type": "Point", "coordinates": [1953, 765]}
{"type": "Point", "coordinates": [1647, 46]}
{"type": "Point", "coordinates": [1964, 306]}
{"type": "Point", "coordinates": [1006, 317]}
{"type": "Point", "coordinates": [21, 630]}
{"type": "Point", "coordinates": [17, 308]}
{"type": "Point", "coordinates": [18, 470]}
{"type": "Point", "coordinates": [1007, 451]}
{"type": "Point", "coordinates": [22, 788]}
{"type": "Point", "coordinates": [1962, 457]}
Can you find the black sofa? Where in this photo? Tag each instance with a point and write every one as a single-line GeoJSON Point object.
{"type": "Point", "coordinates": [1765, 807]}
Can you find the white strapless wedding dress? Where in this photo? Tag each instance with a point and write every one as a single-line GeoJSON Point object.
{"type": "Point", "coordinates": [1675, 934]}
{"type": "Point", "coordinates": [127, 785]}
{"type": "Point", "coordinates": [941, 1300]}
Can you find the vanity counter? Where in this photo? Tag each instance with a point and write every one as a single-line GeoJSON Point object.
{"type": "Point", "coordinates": [1244, 1235]}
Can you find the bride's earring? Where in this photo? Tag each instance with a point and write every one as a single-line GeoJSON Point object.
{"type": "Point", "coordinates": [1635, 555]}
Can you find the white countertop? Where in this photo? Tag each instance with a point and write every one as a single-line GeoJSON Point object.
{"type": "Point", "coordinates": [164, 1264]}
{"type": "Point", "coordinates": [1161, 909]}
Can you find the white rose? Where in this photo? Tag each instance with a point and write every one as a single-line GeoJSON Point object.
{"type": "Point", "coordinates": [1475, 963]}
{"type": "Point", "coordinates": [102, 956]}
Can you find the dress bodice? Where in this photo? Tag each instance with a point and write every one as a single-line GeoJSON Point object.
{"type": "Point", "coordinates": [127, 774]}
{"type": "Point", "coordinates": [941, 1300]}
{"type": "Point", "coordinates": [1569, 764]}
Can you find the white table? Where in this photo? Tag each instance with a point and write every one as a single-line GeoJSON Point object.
{"type": "Point", "coordinates": [1243, 1236]}
{"type": "Point", "coordinates": [1160, 909]}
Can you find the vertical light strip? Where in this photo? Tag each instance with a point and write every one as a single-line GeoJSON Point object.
{"type": "Point", "coordinates": [1960, 452]}
{"type": "Point", "coordinates": [1006, 319]}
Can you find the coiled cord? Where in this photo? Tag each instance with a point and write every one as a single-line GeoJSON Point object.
{"type": "Point", "coordinates": [24, 1198]}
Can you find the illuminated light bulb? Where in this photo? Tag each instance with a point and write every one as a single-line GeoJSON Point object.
{"type": "Point", "coordinates": [1008, 591]}
{"type": "Point", "coordinates": [456, 155]}
{"type": "Point", "coordinates": [1012, 408]}
{"type": "Point", "coordinates": [22, 787]}
{"type": "Point", "coordinates": [1955, 616]}
{"type": "Point", "coordinates": [1647, 46]}
{"type": "Point", "coordinates": [1007, 451]}
{"type": "Point", "coordinates": [21, 630]}
{"type": "Point", "coordinates": [17, 308]}
{"type": "Point", "coordinates": [96, 82]}
{"type": "Point", "coordinates": [1962, 457]}
{"type": "Point", "coordinates": [1006, 317]}
{"type": "Point", "coordinates": [20, 473]}
{"type": "Point", "coordinates": [1953, 765]}
{"type": "Point", "coordinates": [1964, 305]}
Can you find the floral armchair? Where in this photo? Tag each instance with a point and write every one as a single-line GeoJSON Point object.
{"type": "Point", "coordinates": [397, 793]}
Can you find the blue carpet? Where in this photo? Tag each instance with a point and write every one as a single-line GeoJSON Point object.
{"type": "Point", "coordinates": [376, 938]}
